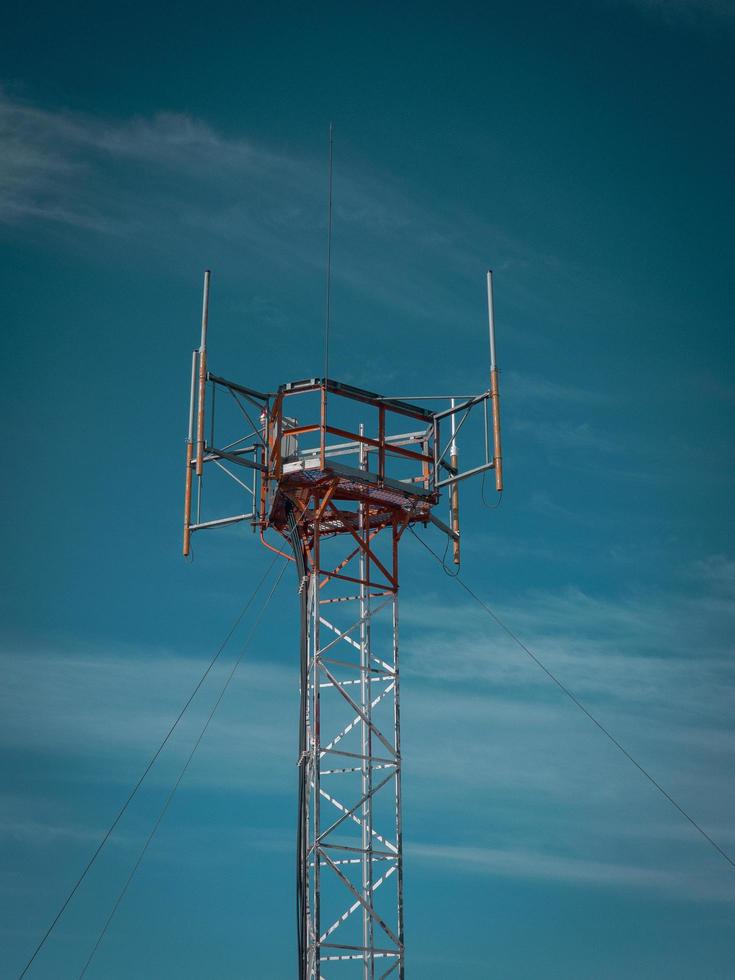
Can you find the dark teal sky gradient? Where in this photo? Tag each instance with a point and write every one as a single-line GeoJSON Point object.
{"type": "Point", "coordinates": [585, 152]}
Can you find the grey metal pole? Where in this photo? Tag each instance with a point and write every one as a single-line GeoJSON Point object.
{"type": "Point", "coordinates": [189, 447]}
{"type": "Point", "coordinates": [454, 490]}
{"type": "Point", "coordinates": [202, 374]}
{"type": "Point", "coordinates": [366, 743]}
{"type": "Point", "coordinates": [494, 387]}
{"type": "Point", "coordinates": [398, 799]}
{"type": "Point", "coordinates": [315, 735]}
{"type": "Point", "coordinates": [491, 318]}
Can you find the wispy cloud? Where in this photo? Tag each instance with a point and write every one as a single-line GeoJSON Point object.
{"type": "Point", "coordinates": [519, 863]}
{"type": "Point", "coordinates": [559, 435]}
{"type": "Point", "coordinates": [40, 834]}
{"type": "Point", "coordinates": [630, 647]}
{"type": "Point", "coordinates": [172, 182]}
{"type": "Point", "coordinates": [534, 388]}
{"type": "Point", "coordinates": [55, 165]}
{"type": "Point", "coordinates": [717, 572]}
{"type": "Point", "coordinates": [110, 707]}
{"type": "Point", "coordinates": [657, 668]}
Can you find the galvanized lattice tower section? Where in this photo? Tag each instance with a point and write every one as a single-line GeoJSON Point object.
{"type": "Point", "coordinates": [339, 488]}
{"type": "Point", "coordinates": [345, 523]}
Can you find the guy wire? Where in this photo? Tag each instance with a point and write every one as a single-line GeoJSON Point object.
{"type": "Point", "coordinates": [147, 769]}
{"type": "Point", "coordinates": [182, 773]}
{"type": "Point", "coordinates": [575, 700]}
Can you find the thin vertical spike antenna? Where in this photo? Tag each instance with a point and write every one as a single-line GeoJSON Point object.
{"type": "Point", "coordinates": [202, 375]}
{"type": "Point", "coordinates": [454, 490]}
{"type": "Point", "coordinates": [189, 460]}
{"type": "Point", "coordinates": [328, 306]}
{"type": "Point", "coordinates": [494, 388]}
{"type": "Point", "coordinates": [328, 298]}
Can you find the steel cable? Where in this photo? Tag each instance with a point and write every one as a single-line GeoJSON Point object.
{"type": "Point", "coordinates": [575, 700]}
{"type": "Point", "coordinates": [139, 783]}
{"type": "Point", "coordinates": [182, 773]}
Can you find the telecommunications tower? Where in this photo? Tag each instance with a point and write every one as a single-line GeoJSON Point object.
{"type": "Point", "coordinates": [336, 475]}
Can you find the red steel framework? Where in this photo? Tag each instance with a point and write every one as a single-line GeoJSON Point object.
{"type": "Point", "coordinates": [339, 494]}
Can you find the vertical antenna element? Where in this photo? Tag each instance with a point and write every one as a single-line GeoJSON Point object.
{"type": "Point", "coordinates": [494, 388]}
{"type": "Point", "coordinates": [202, 374]}
{"type": "Point", "coordinates": [454, 489]}
{"type": "Point", "coordinates": [189, 460]}
{"type": "Point", "coordinates": [327, 314]}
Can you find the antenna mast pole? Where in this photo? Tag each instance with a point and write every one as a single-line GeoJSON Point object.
{"type": "Point", "coordinates": [189, 460]}
{"type": "Point", "coordinates": [454, 489]}
{"type": "Point", "coordinates": [202, 374]}
{"type": "Point", "coordinates": [328, 305]}
{"type": "Point", "coordinates": [494, 388]}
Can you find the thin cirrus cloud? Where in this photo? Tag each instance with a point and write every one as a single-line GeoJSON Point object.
{"type": "Point", "coordinates": [170, 181]}
{"type": "Point", "coordinates": [646, 650]}
{"type": "Point", "coordinates": [96, 708]}
{"type": "Point", "coordinates": [62, 165]}
{"type": "Point", "coordinates": [644, 642]}
{"type": "Point", "coordinates": [520, 744]}
{"type": "Point", "coordinates": [561, 435]}
{"type": "Point", "coordinates": [522, 863]}
{"type": "Point", "coordinates": [717, 572]}
{"type": "Point", "coordinates": [524, 387]}
{"type": "Point", "coordinates": [656, 667]}
{"type": "Point", "coordinates": [57, 165]}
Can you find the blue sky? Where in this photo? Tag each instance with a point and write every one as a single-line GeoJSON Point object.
{"type": "Point", "coordinates": [585, 152]}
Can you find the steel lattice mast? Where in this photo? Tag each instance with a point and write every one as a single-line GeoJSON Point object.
{"type": "Point", "coordinates": [341, 508]}
{"type": "Point", "coordinates": [351, 862]}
